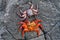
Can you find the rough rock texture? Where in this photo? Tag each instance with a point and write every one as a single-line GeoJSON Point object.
{"type": "Point", "coordinates": [49, 12]}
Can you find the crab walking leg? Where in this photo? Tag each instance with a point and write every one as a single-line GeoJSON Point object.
{"type": "Point", "coordinates": [25, 30]}
{"type": "Point", "coordinates": [40, 26]}
{"type": "Point", "coordinates": [38, 32]}
{"type": "Point", "coordinates": [20, 28]}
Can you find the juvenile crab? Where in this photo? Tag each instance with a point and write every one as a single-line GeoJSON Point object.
{"type": "Point", "coordinates": [30, 26]}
